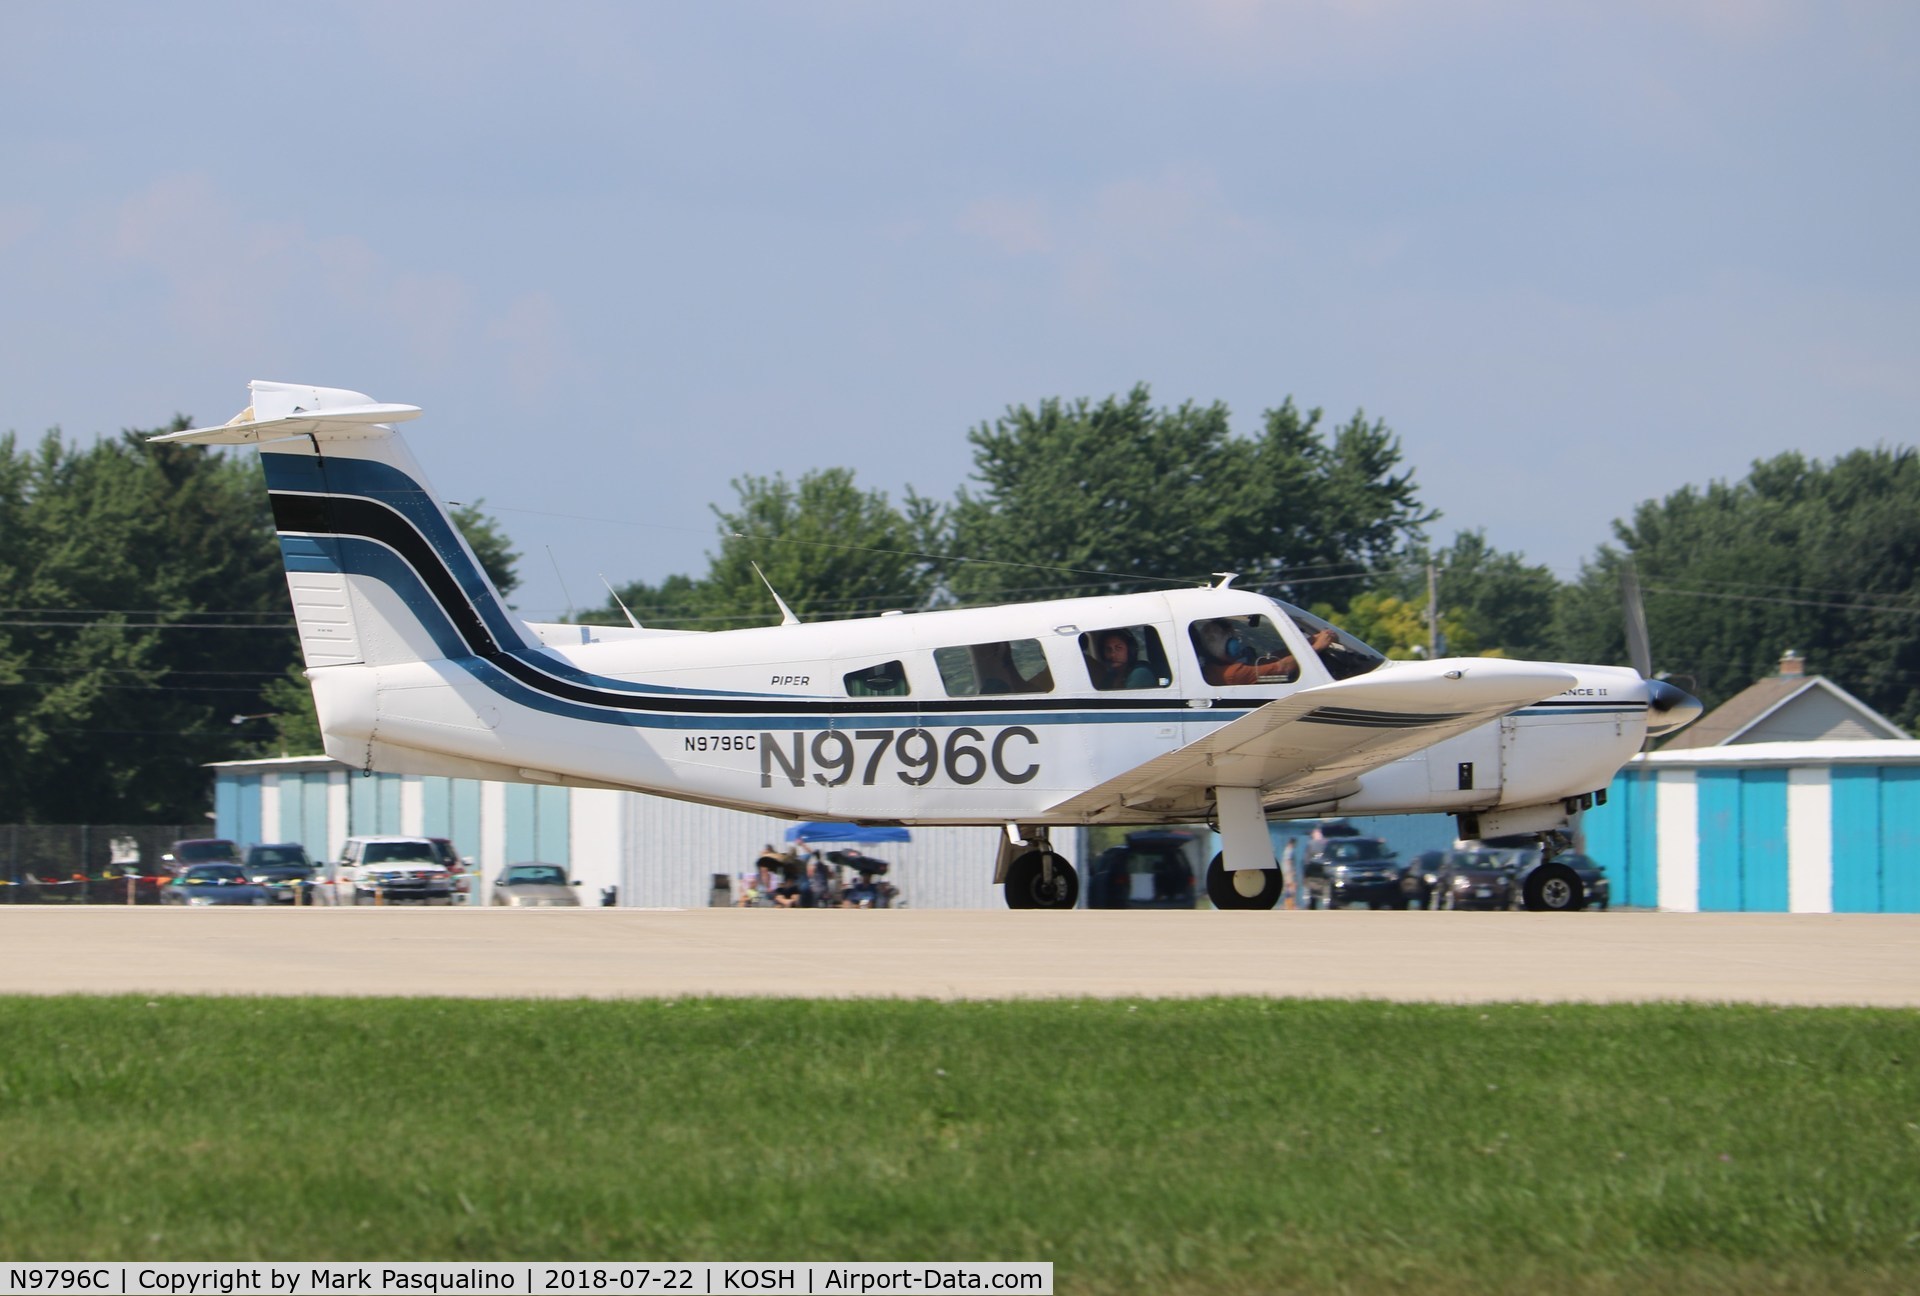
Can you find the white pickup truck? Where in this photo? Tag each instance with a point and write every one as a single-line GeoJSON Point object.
{"type": "Point", "coordinates": [390, 869]}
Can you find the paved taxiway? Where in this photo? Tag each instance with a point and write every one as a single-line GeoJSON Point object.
{"type": "Point", "coordinates": [614, 953]}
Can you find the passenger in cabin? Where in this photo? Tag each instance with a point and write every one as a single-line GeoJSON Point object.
{"type": "Point", "coordinates": [1229, 655]}
{"type": "Point", "coordinates": [1117, 663]}
{"type": "Point", "coordinates": [997, 672]}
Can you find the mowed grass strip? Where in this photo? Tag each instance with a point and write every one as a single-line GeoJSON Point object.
{"type": "Point", "coordinates": [1212, 1145]}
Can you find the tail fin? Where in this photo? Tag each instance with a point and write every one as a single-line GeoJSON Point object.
{"type": "Point", "coordinates": [378, 572]}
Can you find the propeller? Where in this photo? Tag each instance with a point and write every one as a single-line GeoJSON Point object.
{"type": "Point", "coordinates": [1639, 647]}
{"type": "Point", "coordinates": [1669, 707]}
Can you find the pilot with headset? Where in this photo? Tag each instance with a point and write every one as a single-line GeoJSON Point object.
{"type": "Point", "coordinates": [1228, 654]}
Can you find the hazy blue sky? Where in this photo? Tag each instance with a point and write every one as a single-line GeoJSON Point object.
{"type": "Point", "coordinates": [1576, 255]}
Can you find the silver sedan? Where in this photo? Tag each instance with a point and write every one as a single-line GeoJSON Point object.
{"type": "Point", "coordinates": [535, 886]}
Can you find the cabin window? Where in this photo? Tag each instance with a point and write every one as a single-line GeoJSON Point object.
{"type": "Point", "coordinates": [888, 679]}
{"type": "Point", "coordinates": [1237, 650]}
{"type": "Point", "coordinates": [1125, 657]}
{"type": "Point", "coordinates": [1010, 666]}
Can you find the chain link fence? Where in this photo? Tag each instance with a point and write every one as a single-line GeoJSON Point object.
{"type": "Point", "coordinates": [86, 863]}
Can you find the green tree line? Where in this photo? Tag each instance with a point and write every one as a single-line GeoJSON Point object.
{"type": "Point", "coordinates": [145, 628]}
{"type": "Point", "coordinates": [145, 607]}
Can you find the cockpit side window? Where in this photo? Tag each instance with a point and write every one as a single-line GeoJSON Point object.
{"type": "Point", "coordinates": [887, 679]}
{"type": "Point", "coordinates": [1343, 655]}
{"type": "Point", "coordinates": [1009, 666]}
{"type": "Point", "coordinates": [1125, 657]}
{"type": "Point", "coordinates": [1241, 650]}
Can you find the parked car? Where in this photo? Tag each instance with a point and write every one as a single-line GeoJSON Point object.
{"type": "Point", "coordinates": [1418, 878]}
{"type": "Point", "coordinates": [1163, 858]}
{"type": "Point", "coordinates": [1474, 879]}
{"type": "Point", "coordinates": [284, 869]}
{"type": "Point", "coordinates": [535, 886]}
{"type": "Point", "coordinates": [201, 850]}
{"type": "Point", "coordinates": [374, 869]}
{"type": "Point", "coordinates": [1341, 871]}
{"type": "Point", "coordinates": [214, 884]}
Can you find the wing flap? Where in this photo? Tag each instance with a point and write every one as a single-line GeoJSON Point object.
{"type": "Point", "coordinates": [1312, 745]}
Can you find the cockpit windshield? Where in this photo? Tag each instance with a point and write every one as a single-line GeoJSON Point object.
{"type": "Point", "coordinates": [1346, 656]}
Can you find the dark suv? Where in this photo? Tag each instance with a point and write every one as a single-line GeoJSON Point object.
{"type": "Point", "coordinates": [284, 869]}
{"type": "Point", "coordinates": [1353, 870]}
{"type": "Point", "coordinates": [1159, 855]}
{"type": "Point", "coordinates": [201, 850]}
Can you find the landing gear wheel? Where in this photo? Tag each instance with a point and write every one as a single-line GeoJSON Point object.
{"type": "Point", "coordinates": [1243, 888]}
{"type": "Point", "coordinates": [1554, 888]}
{"type": "Point", "coordinates": [1029, 887]}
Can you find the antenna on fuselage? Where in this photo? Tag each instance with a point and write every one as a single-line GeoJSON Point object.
{"type": "Point", "coordinates": [787, 617]}
{"type": "Point", "coordinates": [632, 620]}
{"type": "Point", "coordinates": [1225, 579]}
{"type": "Point", "coordinates": [562, 579]}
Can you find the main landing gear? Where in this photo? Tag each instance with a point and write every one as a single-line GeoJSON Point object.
{"type": "Point", "coordinates": [1032, 874]}
{"type": "Point", "coordinates": [1243, 888]}
{"type": "Point", "coordinates": [1243, 875]}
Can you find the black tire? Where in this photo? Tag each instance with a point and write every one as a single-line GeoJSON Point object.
{"type": "Point", "coordinates": [1553, 888]}
{"type": "Point", "coordinates": [1226, 894]}
{"type": "Point", "coordinates": [1027, 886]}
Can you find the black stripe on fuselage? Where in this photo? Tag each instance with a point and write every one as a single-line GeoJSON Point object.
{"type": "Point", "coordinates": [349, 515]}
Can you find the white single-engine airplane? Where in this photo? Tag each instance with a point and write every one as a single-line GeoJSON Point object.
{"type": "Point", "coordinates": [1209, 703]}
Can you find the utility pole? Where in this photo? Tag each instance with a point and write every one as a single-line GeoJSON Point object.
{"type": "Point", "coordinates": [1433, 612]}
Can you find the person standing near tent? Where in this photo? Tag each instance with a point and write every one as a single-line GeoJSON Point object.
{"type": "Point", "coordinates": [1290, 874]}
{"type": "Point", "coordinates": [768, 868]}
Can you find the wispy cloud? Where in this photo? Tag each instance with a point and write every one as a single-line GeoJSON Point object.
{"type": "Point", "coordinates": [1014, 225]}
{"type": "Point", "coordinates": [229, 277]}
{"type": "Point", "coordinates": [18, 222]}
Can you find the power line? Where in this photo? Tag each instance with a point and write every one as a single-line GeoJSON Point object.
{"type": "Point", "coordinates": [1784, 602]}
{"type": "Point", "coordinates": [283, 627]}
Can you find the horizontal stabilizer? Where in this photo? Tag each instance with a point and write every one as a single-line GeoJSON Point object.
{"type": "Point", "coordinates": [288, 409]}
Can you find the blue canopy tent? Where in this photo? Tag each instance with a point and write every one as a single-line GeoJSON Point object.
{"type": "Point", "coordinates": [868, 866]}
{"type": "Point", "coordinates": [845, 832]}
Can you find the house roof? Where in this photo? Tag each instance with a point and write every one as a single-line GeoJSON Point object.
{"type": "Point", "coordinates": [1823, 752]}
{"type": "Point", "coordinates": [1747, 709]}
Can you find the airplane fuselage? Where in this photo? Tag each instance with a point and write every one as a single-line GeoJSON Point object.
{"type": "Point", "coordinates": [764, 718]}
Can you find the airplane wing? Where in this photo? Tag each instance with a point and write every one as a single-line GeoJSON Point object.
{"type": "Point", "coordinates": [1312, 745]}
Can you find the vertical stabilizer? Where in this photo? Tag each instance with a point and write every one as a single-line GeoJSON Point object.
{"type": "Point", "coordinates": [378, 572]}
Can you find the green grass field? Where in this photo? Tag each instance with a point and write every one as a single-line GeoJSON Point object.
{"type": "Point", "coordinates": [1152, 1146]}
